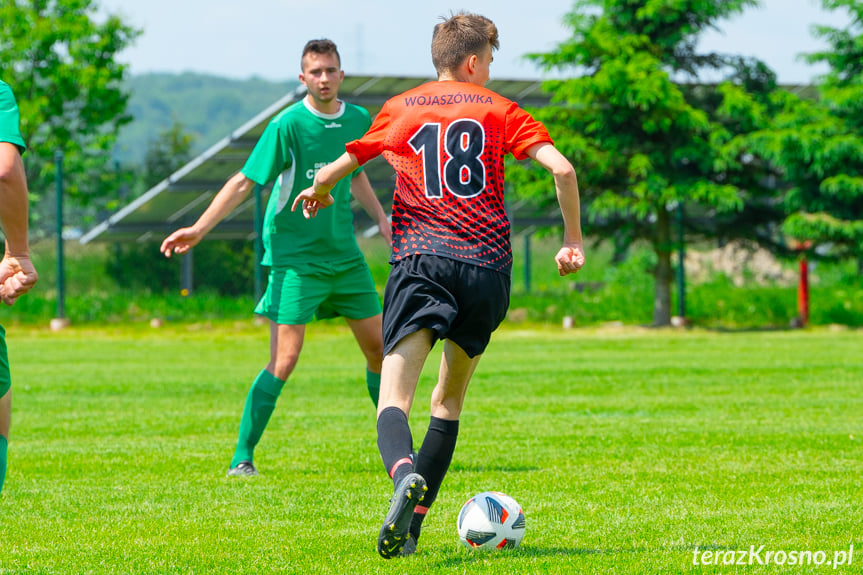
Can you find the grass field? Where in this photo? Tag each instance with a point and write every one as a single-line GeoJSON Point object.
{"type": "Point", "coordinates": [629, 450]}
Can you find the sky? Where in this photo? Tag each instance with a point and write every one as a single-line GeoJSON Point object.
{"type": "Point", "coordinates": [264, 38]}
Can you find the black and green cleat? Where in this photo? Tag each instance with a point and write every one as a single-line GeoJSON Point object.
{"type": "Point", "coordinates": [394, 532]}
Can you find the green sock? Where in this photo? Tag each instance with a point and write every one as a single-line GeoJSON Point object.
{"type": "Point", "coordinates": [373, 382]}
{"type": "Point", "coordinates": [259, 407]}
{"type": "Point", "coordinates": [3, 444]}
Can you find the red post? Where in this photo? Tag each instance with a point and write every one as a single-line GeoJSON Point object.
{"type": "Point", "coordinates": [803, 292]}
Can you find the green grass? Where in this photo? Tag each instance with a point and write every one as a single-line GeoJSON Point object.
{"type": "Point", "coordinates": [627, 449]}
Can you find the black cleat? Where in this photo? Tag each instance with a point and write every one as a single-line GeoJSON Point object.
{"type": "Point", "coordinates": [243, 469]}
{"type": "Point", "coordinates": [394, 532]}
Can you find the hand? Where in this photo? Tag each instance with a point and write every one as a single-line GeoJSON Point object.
{"type": "Point", "coordinates": [17, 276]}
{"type": "Point", "coordinates": [311, 202]}
{"type": "Point", "coordinates": [181, 241]}
{"type": "Point", "coordinates": [570, 258]}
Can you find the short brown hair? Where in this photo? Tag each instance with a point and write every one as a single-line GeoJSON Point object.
{"type": "Point", "coordinates": [321, 46]}
{"type": "Point", "coordinates": [460, 36]}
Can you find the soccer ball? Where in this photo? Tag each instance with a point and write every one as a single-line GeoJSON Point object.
{"type": "Point", "coordinates": [491, 520]}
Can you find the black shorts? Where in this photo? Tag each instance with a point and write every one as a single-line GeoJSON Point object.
{"type": "Point", "coordinates": [456, 300]}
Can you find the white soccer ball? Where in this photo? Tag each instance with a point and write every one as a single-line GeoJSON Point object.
{"type": "Point", "coordinates": [491, 520]}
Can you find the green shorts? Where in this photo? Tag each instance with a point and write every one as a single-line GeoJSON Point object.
{"type": "Point", "coordinates": [5, 374]}
{"type": "Point", "coordinates": [296, 295]}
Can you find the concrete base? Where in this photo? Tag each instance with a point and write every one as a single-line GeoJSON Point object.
{"type": "Point", "coordinates": [59, 323]}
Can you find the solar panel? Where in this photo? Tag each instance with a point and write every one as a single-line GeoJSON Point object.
{"type": "Point", "coordinates": [181, 198]}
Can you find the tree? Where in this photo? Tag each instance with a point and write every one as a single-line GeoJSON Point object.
{"type": "Point", "coordinates": [820, 148]}
{"type": "Point", "coordinates": [643, 140]}
{"type": "Point", "coordinates": [814, 146]}
{"type": "Point", "coordinates": [59, 58]}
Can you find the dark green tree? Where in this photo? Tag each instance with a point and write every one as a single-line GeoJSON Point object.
{"type": "Point", "coordinates": [813, 146]}
{"type": "Point", "coordinates": [60, 59]}
{"type": "Point", "coordinates": [820, 148]}
{"type": "Point", "coordinates": [644, 133]}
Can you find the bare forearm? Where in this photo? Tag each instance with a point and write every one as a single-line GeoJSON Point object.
{"type": "Point", "coordinates": [328, 176]}
{"type": "Point", "coordinates": [362, 190]}
{"type": "Point", "coordinates": [13, 201]}
{"type": "Point", "coordinates": [566, 186]}
{"type": "Point", "coordinates": [372, 207]}
{"type": "Point", "coordinates": [318, 195]}
{"type": "Point", "coordinates": [229, 197]}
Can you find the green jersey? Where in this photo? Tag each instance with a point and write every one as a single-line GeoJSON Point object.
{"type": "Point", "coordinates": [9, 117]}
{"type": "Point", "coordinates": [297, 142]}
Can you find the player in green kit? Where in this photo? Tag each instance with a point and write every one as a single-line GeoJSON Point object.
{"type": "Point", "coordinates": [17, 274]}
{"type": "Point", "coordinates": [298, 141]}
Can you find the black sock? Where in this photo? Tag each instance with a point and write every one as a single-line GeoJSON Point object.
{"type": "Point", "coordinates": [395, 443]}
{"type": "Point", "coordinates": [432, 463]}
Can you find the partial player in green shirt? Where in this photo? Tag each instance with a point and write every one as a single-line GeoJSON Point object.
{"type": "Point", "coordinates": [17, 274]}
{"type": "Point", "coordinates": [298, 141]}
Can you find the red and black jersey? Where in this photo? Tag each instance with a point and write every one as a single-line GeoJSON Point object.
{"type": "Point", "coordinates": [447, 141]}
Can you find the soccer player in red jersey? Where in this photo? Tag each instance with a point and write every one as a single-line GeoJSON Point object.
{"type": "Point", "coordinates": [452, 255]}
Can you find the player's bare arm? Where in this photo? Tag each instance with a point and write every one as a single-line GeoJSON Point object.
{"type": "Point", "coordinates": [318, 196]}
{"type": "Point", "coordinates": [570, 257]}
{"type": "Point", "coordinates": [228, 198]}
{"type": "Point", "coordinates": [17, 273]}
{"type": "Point", "coordinates": [362, 190]}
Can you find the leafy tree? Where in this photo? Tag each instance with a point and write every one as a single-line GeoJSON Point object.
{"type": "Point", "coordinates": [814, 146]}
{"type": "Point", "coordinates": [742, 105]}
{"type": "Point", "coordinates": [820, 147]}
{"type": "Point", "coordinates": [644, 135]}
{"type": "Point", "coordinates": [59, 58]}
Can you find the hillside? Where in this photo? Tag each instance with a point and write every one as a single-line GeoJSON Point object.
{"type": "Point", "coordinates": [209, 107]}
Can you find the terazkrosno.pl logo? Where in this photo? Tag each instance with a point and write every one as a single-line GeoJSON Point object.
{"type": "Point", "coordinates": [760, 555]}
